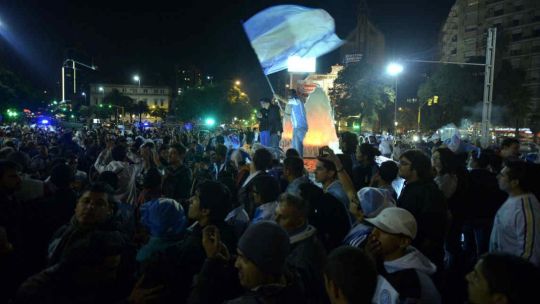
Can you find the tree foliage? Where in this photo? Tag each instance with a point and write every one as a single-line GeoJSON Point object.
{"type": "Point", "coordinates": [219, 101]}
{"type": "Point", "coordinates": [15, 92]}
{"type": "Point", "coordinates": [362, 90]}
{"type": "Point", "coordinates": [459, 90]}
{"type": "Point", "coordinates": [510, 93]}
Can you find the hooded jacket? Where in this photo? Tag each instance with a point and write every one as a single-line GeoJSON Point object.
{"type": "Point", "coordinates": [410, 276]}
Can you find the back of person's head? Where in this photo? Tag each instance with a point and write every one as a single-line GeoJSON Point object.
{"type": "Point", "coordinates": [6, 165]}
{"type": "Point", "coordinates": [508, 141]}
{"type": "Point", "coordinates": [215, 197]}
{"type": "Point", "coordinates": [5, 151]}
{"type": "Point", "coordinates": [298, 203]}
{"type": "Point", "coordinates": [310, 192]}
{"type": "Point", "coordinates": [62, 176]}
{"type": "Point", "coordinates": [291, 152]}
{"type": "Point", "coordinates": [369, 151]}
{"type": "Point", "coordinates": [524, 173]}
{"type": "Point", "coordinates": [267, 187]}
{"type": "Point", "coordinates": [448, 160]}
{"type": "Point", "coordinates": [110, 178]}
{"type": "Point", "coordinates": [510, 277]}
{"type": "Point", "coordinates": [350, 140]}
{"type": "Point", "coordinates": [495, 163]}
{"type": "Point", "coordinates": [265, 244]}
{"type": "Point", "coordinates": [164, 217]}
{"type": "Point", "coordinates": [92, 250]}
{"type": "Point", "coordinates": [20, 158]}
{"type": "Point", "coordinates": [420, 163]}
{"type": "Point", "coordinates": [180, 149]}
{"type": "Point", "coordinates": [262, 159]}
{"type": "Point", "coordinates": [295, 165]}
{"type": "Point", "coordinates": [220, 139]}
{"type": "Point", "coordinates": [373, 201]}
{"type": "Point", "coordinates": [221, 150]}
{"type": "Point", "coordinates": [481, 157]}
{"type": "Point", "coordinates": [351, 273]}
{"type": "Point", "coordinates": [119, 153]}
{"type": "Point", "coordinates": [152, 179]}
{"type": "Point", "coordinates": [388, 171]}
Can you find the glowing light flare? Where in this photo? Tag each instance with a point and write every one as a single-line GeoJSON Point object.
{"type": "Point", "coordinates": [394, 69]}
{"type": "Point", "coordinates": [297, 64]}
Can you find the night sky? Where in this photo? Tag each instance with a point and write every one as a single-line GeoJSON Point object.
{"type": "Point", "coordinates": [151, 37]}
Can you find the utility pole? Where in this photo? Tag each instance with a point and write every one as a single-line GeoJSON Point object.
{"type": "Point", "coordinates": [74, 64]}
{"type": "Point", "coordinates": [488, 82]}
{"type": "Point", "coordinates": [488, 86]}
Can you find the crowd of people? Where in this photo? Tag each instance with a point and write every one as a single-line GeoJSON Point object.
{"type": "Point", "coordinates": [164, 216]}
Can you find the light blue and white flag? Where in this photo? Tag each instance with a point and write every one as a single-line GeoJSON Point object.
{"type": "Point", "coordinates": [282, 31]}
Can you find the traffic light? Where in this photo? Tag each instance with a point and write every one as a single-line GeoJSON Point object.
{"type": "Point", "coordinates": [429, 102]}
{"type": "Point", "coordinates": [110, 106]}
{"type": "Point", "coordinates": [101, 105]}
{"type": "Point", "coordinates": [435, 99]}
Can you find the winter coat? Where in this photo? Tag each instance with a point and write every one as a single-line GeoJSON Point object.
{"type": "Point", "coordinates": [307, 258]}
{"type": "Point", "coordinates": [426, 202]}
{"type": "Point", "coordinates": [410, 276]}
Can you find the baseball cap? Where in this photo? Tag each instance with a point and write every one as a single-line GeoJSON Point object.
{"type": "Point", "coordinates": [373, 201]}
{"type": "Point", "coordinates": [396, 221]}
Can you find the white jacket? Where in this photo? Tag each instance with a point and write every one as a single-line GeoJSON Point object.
{"type": "Point", "coordinates": [516, 229]}
{"type": "Point", "coordinates": [127, 174]}
{"type": "Point", "coordinates": [414, 259]}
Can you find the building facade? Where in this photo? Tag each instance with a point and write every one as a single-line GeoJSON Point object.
{"type": "Point", "coordinates": [464, 33]}
{"type": "Point", "coordinates": [154, 96]}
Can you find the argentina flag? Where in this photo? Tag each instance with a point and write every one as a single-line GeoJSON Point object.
{"type": "Point", "coordinates": [282, 31]}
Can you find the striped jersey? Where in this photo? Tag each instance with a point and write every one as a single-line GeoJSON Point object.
{"type": "Point", "coordinates": [516, 229]}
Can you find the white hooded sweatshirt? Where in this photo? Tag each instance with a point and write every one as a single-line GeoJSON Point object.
{"type": "Point", "coordinates": [414, 259]}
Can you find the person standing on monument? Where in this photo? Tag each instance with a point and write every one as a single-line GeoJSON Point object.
{"type": "Point", "coordinates": [298, 119]}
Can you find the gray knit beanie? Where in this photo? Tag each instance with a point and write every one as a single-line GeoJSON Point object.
{"type": "Point", "coordinates": [266, 244]}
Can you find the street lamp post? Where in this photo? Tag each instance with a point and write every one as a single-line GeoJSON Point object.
{"type": "Point", "coordinates": [138, 79]}
{"type": "Point", "coordinates": [84, 95]}
{"type": "Point", "coordinates": [394, 70]}
{"type": "Point", "coordinates": [102, 94]}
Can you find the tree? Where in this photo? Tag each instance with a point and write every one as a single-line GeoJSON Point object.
{"type": "Point", "coordinates": [510, 93]}
{"type": "Point", "coordinates": [140, 108]}
{"type": "Point", "coordinates": [218, 101]}
{"type": "Point", "coordinates": [15, 92]}
{"type": "Point", "coordinates": [360, 90]}
{"type": "Point", "coordinates": [159, 112]}
{"type": "Point", "coordinates": [458, 89]}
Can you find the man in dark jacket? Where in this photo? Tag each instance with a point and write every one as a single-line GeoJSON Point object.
{"type": "Point", "coordinates": [178, 177]}
{"type": "Point", "coordinates": [275, 125]}
{"type": "Point", "coordinates": [176, 268]}
{"type": "Point", "coordinates": [261, 264]}
{"type": "Point", "coordinates": [426, 202]}
{"type": "Point", "coordinates": [94, 212]}
{"type": "Point", "coordinates": [264, 126]}
{"type": "Point", "coordinates": [307, 255]}
{"type": "Point", "coordinates": [86, 273]}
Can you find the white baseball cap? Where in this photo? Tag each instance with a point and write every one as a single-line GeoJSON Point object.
{"type": "Point", "coordinates": [395, 220]}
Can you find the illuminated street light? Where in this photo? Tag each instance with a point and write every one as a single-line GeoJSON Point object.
{"type": "Point", "coordinates": [138, 79]}
{"type": "Point", "coordinates": [237, 82]}
{"type": "Point", "coordinates": [394, 69]}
